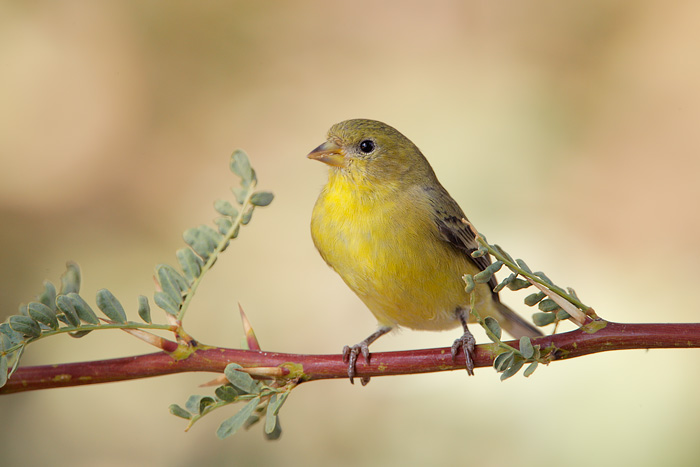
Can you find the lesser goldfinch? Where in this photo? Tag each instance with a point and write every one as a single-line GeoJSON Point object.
{"type": "Point", "coordinates": [387, 226]}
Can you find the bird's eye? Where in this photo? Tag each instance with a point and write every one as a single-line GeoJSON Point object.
{"type": "Point", "coordinates": [367, 146]}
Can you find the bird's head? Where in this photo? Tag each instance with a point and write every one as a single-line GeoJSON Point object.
{"type": "Point", "coordinates": [371, 151]}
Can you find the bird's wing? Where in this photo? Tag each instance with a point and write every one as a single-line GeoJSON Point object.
{"type": "Point", "coordinates": [450, 221]}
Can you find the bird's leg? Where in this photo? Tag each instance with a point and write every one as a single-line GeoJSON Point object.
{"type": "Point", "coordinates": [350, 353]}
{"type": "Point", "coordinates": [466, 342]}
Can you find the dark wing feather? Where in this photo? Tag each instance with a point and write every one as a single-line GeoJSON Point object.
{"type": "Point", "coordinates": [457, 233]}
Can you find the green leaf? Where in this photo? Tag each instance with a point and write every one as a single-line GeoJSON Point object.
{"type": "Point", "coordinates": [110, 306]}
{"type": "Point", "coordinates": [70, 280]}
{"type": "Point", "coordinates": [79, 334]}
{"type": "Point", "coordinates": [25, 325]}
{"type": "Point", "coordinates": [261, 198]}
{"type": "Point", "coordinates": [548, 305]}
{"type": "Point", "coordinates": [276, 433]}
{"type": "Point", "coordinates": [48, 296]}
{"type": "Point", "coordinates": [224, 224]}
{"type": "Point", "coordinates": [513, 369]}
{"type": "Point", "coordinates": [83, 310]}
{"type": "Point", "coordinates": [530, 369]}
{"type": "Point", "coordinates": [493, 326]}
{"type": "Point", "coordinates": [276, 404]}
{"type": "Point", "coordinates": [5, 342]}
{"type": "Point", "coordinates": [518, 284]}
{"type": "Point", "coordinates": [469, 280]}
{"type": "Point", "coordinates": [67, 307]}
{"type": "Point", "coordinates": [43, 314]}
{"type": "Point", "coordinates": [14, 336]}
{"type": "Point", "coordinates": [240, 165]}
{"type": "Point", "coordinates": [179, 412]}
{"type": "Point", "coordinates": [165, 302]}
{"type": "Point", "coordinates": [190, 263]}
{"type": "Point", "coordinates": [479, 252]}
{"type": "Point", "coordinates": [247, 214]}
{"type": "Point", "coordinates": [523, 266]}
{"type": "Point", "coordinates": [233, 424]}
{"type": "Point", "coordinates": [203, 240]}
{"type": "Point", "coordinates": [3, 370]}
{"type": "Point", "coordinates": [270, 417]}
{"type": "Point", "coordinates": [526, 347]}
{"type": "Point", "coordinates": [495, 266]}
{"type": "Point", "coordinates": [241, 379]}
{"type": "Point", "coordinates": [483, 277]}
{"type": "Point", "coordinates": [543, 319]}
{"type": "Point", "coordinates": [534, 298]}
{"type": "Point", "coordinates": [225, 208]}
{"type": "Point", "coordinates": [501, 285]}
{"type": "Point", "coordinates": [503, 361]}
{"type": "Point", "coordinates": [144, 309]}
{"type": "Point", "coordinates": [240, 194]}
{"type": "Point", "coordinates": [171, 282]}
{"type": "Point", "coordinates": [226, 393]}
{"type": "Point", "coordinates": [561, 314]}
{"type": "Point", "coordinates": [198, 404]}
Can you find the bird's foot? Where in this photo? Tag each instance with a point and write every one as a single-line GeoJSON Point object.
{"type": "Point", "coordinates": [350, 354]}
{"type": "Point", "coordinates": [467, 343]}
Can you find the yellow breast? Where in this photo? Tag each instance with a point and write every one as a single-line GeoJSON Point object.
{"type": "Point", "coordinates": [385, 245]}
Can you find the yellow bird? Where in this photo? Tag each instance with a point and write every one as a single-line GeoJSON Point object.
{"type": "Point", "coordinates": [386, 225]}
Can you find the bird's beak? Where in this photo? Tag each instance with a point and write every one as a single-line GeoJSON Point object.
{"type": "Point", "coordinates": [329, 153]}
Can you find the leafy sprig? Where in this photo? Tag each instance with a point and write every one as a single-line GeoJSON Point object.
{"type": "Point", "coordinates": [65, 311]}
{"type": "Point", "coordinates": [261, 401]}
{"type": "Point", "coordinates": [554, 304]}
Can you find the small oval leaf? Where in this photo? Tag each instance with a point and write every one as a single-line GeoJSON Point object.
{"type": "Point", "coordinates": [543, 319]}
{"type": "Point", "coordinates": [25, 325]}
{"type": "Point", "coordinates": [503, 361]}
{"type": "Point", "coordinates": [469, 281]}
{"type": "Point", "coordinates": [526, 347]}
{"type": "Point", "coordinates": [226, 393]}
{"type": "Point", "coordinates": [240, 379]}
{"type": "Point", "coordinates": [225, 208]}
{"type": "Point", "coordinates": [171, 282]}
{"type": "Point", "coordinates": [43, 314]}
{"type": "Point", "coordinates": [165, 302]}
{"type": "Point", "coordinates": [179, 412]}
{"type": "Point", "coordinates": [233, 424]}
{"type": "Point", "coordinates": [513, 369]}
{"type": "Point", "coordinates": [190, 263]}
{"type": "Point", "coordinates": [493, 326]}
{"type": "Point", "coordinates": [530, 369]}
{"type": "Point", "coordinates": [144, 309]}
{"type": "Point", "coordinates": [83, 310]}
{"type": "Point", "coordinates": [110, 306]}
{"type": "Point", "coordinates": [67, 307]}
{"type": "Point", "coordinates": [534, 298]}
{"type": "Point", "coordinates": [262, 198]}
{"type": "Point", "coordinates": [240, 165]}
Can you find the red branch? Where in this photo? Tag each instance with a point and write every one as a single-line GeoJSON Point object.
{"type": "Point", "coordinates": [615, 336]}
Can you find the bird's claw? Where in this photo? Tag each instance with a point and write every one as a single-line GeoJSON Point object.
{"type": "Point", "coordinates": [467, 343]}
{"type": "Point", "coordinates": [350, 354]}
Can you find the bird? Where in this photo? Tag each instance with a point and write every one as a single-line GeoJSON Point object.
{"type": "Point", "coordinates": [398, 239]}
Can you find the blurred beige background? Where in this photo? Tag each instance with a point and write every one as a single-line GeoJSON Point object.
{"type": "Point", "coordinates": [567, 131]}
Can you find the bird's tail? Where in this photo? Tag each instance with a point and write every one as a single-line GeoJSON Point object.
{"type": "Point", "coordinates": [514, 324]}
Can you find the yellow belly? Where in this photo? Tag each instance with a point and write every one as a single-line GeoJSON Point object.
{"type": "Point", "coordinates": [393, 259]}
